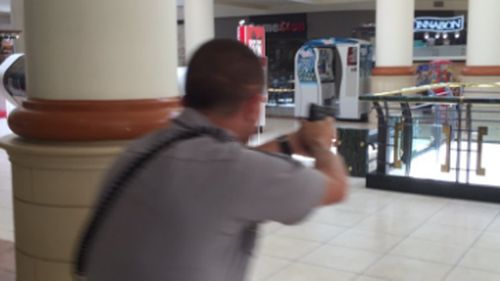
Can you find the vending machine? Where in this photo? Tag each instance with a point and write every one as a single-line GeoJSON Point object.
{"type": "Point", "coordinates": [7, 42]}
{"type": "Point", "coordinates": [255, 38]}
{"type": "Point", "coordinates": [333, 72]}
{"type": "Point", "coordinates": [13, 81]}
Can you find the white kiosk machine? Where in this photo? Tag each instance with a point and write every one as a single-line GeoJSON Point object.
{"type": "Point", "coordinates": [12, 77]}
{"type": "Point", "coordinates": [333, 72]}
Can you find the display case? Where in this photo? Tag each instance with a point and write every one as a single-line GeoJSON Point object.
{"type": "Point", "coordinates": [444, 145]}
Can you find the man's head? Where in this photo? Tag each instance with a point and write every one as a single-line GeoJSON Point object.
{"type": "Point", "coordinates": [225, 78]}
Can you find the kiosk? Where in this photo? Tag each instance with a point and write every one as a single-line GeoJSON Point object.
{"type": "Point", "coordinates": [333, 72]}
{"type": "Point", "coordinates": [13, 83]}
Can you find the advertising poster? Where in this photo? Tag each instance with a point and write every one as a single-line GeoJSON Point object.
{"type": "Point", "coordinates": [3, 107]}
{"type": "Point", "coordinates": [254, 37]}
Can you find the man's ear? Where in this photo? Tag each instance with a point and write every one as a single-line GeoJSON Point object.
{"type": "Point", "coordinates": [251, 107]}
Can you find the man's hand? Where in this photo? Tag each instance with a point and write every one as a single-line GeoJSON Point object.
{"type": "Point", "coordinates": [314, 139]}
{"type": "Point", "coordinates": [317, 135]}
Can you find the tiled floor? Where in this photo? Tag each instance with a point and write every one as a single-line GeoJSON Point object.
{"type": "Point", "coordinates": [373, 236]}
{"type": "Point", "coordinates": [379, 235]}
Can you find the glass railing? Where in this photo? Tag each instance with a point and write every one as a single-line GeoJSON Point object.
{"type": "Point", "coordinates": [441, 139]}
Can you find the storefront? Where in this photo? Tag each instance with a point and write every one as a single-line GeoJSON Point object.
{"type": "Point", "coordinates": [285, 34]}
{"type": "Point", "coordinates": [437, 35]}
{"type": "Point", "coordinates": [440, 35]}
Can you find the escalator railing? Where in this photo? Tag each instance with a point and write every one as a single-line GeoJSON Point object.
{"type": "Point", "coordinates": [445, 145]}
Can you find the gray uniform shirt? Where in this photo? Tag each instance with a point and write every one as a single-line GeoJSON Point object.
{"type": "Point", "coordinates": [191, 213]}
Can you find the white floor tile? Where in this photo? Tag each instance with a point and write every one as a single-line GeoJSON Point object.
{"type": "Point", "coordinates": [6, 219]}
{"type": "Point", "coordinates": [465, 215]}
{"type": "Point", "coordinates": [364, 202]}
{"type": "Point", "coordinates": [429, 251]}
{"type": "Point", "coordinates": [287, 248]}
{"type": "Point", "coordinates": [495, 226]}
{"type": "Point", "coordinates": [341, 258]}
{"type": "Point", "coordinates": [263, 267]}
{"type": "Point", "coordinates": [476, 205]}
{"type": "Point", "coordinates": [338, 217]}
{"type": "Point", "coordinates": [6, 235]}
{"type": "Point", "coordinates": [447, 235]}
{"type": "Point", "coordinates": [5, 181]}
{"type": "Point", "coordinates": [311, 231]}
{"type": "Point", "coordinates": [375, 242]}
{"type": "Point", "coordinates": [270, 228]}
{"type": "Point", "coordinates": [401, 210]}
{"type": "Point", "coordinates": [404, 269]}
{"type": "Point", "coordinates": [418, 198]}
{"type": "Point", "coordinates": [414, 207]}
{"type": "Point", "coordinates": [302, 272]}
{"type": "Point", "coordinates": [380, 223]}
{"type": "Point", "coordinates": [467, 274]}
{"type": "Point", "coordinates": [6, 199]}
{"type": "Point", "coordinates": [482, 260]}
{"type": "Point", "coordinates": [366, 278]}
{"type": "Point", "coordinates": [488, 241]}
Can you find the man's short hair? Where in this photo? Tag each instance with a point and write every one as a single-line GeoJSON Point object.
{"type": "Point", "coordinates": [221, 75]}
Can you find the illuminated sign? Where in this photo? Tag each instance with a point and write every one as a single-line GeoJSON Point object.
{"type": "Point", "coordinates": [285, 26]}
{"type": "Point", "coordinates": [435, 24]}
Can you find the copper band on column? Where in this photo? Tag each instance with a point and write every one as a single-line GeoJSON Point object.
{"type": "Point", "coordinates": [54, 120]}
{"type": "Point", "coordinates": [394, 71]}
{"type": "Point", "coordinates": [481, 71]}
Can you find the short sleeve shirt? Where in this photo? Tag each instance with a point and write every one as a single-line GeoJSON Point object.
{"type": "Point", "coordinates": [191, 213]}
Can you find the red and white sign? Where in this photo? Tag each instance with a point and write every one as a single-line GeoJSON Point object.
{"type": "Point", "coordinates": [254, 37]}
{"type": "Point", "coordinates": [3, 108]}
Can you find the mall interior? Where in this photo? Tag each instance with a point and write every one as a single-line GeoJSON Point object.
{"type": "Point", "coordinates": [414, 85]}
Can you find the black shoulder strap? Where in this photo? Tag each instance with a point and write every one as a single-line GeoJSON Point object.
{"type": "Point", "coordinates": [117, 187]}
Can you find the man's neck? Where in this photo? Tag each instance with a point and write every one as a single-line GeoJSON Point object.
{"type": "Point", "coordinates": [230, 124]}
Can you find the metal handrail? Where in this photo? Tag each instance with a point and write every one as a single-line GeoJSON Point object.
{"type": "Point", "coordinates": [414, 94]}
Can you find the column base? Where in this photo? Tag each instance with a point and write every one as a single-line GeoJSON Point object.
{"type": "Point", "coordinates": [54, 120]}
{"type": "Point", "coordinates": [55, 186]}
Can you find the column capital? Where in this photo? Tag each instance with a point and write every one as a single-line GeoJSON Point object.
{"type": "Point", "coordinates": [90, 120]}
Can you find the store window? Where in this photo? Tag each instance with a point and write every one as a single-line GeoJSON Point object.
{"type": "Point", "coordinates": [285, 34]}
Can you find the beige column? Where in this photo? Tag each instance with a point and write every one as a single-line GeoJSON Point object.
{"type": "Point", "coordinates": [99, 73]}
{"type": "Point", "coordinates": [101, 50]}
{"type": "Point", "coordinates": [483, 42]}
{"type": "Point", "coordinates": [394, 45]}
{"type": "Point", "coordinates": [199, 23]}
{"type": "Point", "coordinates": [17, 22]}
{"type": "Point", "coordinates": [16, 18]}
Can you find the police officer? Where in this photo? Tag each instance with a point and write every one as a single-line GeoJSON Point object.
{"type": "Point", "coordinates": [184, 203]}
